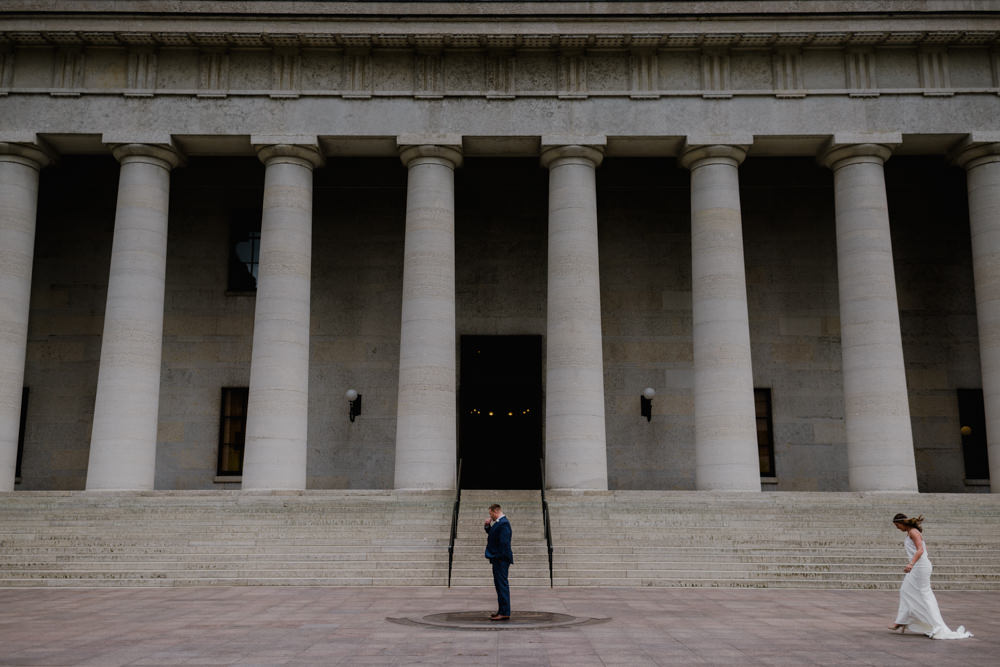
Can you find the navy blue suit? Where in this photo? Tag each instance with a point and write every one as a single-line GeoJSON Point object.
{"type": "Point", "coordinates": [500, 555]}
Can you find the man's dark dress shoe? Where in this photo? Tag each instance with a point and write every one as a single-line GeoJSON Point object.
{"type": "Point", "coordinates": [498, 617]}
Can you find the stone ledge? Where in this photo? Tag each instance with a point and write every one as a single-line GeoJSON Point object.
{"type": "Point", "coordinates": [381, 35]}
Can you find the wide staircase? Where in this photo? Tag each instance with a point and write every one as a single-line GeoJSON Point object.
{"type": "Point", "coordinates": [531, 560]}
{"type": "Point", "coordinates": [184, 538]}
{"type": "Point", "coordinates": [769, 540]}
{"type": "Point", "coordinates": [396, 538]}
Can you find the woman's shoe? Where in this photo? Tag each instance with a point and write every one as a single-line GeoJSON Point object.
{"type": "Point", "coordinates": [897, 627]}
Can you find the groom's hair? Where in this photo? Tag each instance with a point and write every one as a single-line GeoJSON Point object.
{"type": "Point", "coordinates": [494, 506]}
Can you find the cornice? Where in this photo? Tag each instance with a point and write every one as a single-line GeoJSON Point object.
{"type": "Point", "coordinates": [504, 8]}
{"type": "Point", "coordinates": [455, 40]}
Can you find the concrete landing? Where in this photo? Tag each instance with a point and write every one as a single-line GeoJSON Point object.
{"type": "Point", "coordinates": [264, 625]}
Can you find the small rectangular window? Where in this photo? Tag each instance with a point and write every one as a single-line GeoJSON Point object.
{"type": "Point", "coordinates": [244, 251]}
{"type": "Point", "coordinates": [20, 433]}
{"type": "Point", "coordinates": [765, 432]}
{"type": "Point", "coordinates": [232, 430]}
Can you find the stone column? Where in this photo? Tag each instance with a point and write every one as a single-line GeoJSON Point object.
{"type": "Point", "coordinates": [876, 406]}
{"type": "Point", "coordinates": [123, 437]}
{"type": "Point", "coordinates": [981, 159]}
{"type": "Point", "coordinates": [726, 456]}
{"type": "Point", "coordinates": [426, 412]}
{"type": "Point", "coordinates": [575, 441]}
{"type": "Point", "coordinates": [19, 167]}
{"type": "Point", "coordinates": [278, 404]}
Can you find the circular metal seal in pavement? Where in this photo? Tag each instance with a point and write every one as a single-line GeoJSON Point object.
{"type": "Point", "coordinates": [480, 620]}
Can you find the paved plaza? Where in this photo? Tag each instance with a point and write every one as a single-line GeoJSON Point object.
{"type": "Point", "coordinates": [349, 626]}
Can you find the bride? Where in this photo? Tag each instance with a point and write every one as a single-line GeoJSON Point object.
{"type": "Point", "coordinates": [918, 608]}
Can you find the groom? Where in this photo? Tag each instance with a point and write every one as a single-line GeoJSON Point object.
{"type": "Point", "coordinates": [498, 552]}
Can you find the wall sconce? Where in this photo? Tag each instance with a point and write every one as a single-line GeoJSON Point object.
{"type": "Point", "coordinates": [646, 403]}
{"type": "Point", "coordinates": [354, 403]}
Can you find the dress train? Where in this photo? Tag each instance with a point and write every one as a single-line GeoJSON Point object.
{"type": "Point", "coordinates": [918, 608]}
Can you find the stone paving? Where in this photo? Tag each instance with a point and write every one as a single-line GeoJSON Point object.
{"type": "Point", "coordinates": [348, 626]}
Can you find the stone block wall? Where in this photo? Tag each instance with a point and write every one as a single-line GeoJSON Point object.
{"type": "Point", "coordinates": [791, 255]}
{"type": "Point", "coordinates": [645, 234]}
{"type": "Point", "coordinates": [357, 281]}
{"type": "Point", "coordinates": [76, 214]}
{"type": "Point", "coordinates": [207, 332]}
{"type": "Point", "coordinates": [929, 214]}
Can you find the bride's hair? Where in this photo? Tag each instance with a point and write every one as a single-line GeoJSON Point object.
{"type": "Point", "coordinates": [914, 522]}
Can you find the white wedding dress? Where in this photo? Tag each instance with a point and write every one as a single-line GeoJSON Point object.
{"type": "Point", "coordinates": [918, 608]}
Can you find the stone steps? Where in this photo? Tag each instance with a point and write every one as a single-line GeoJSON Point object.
{"type": "Point", "coordinates": [805, 540]}
{"type": "Point", "coordinates": [524, 510]}
{"type": "Point", "coordinates": [772, 569]}
{"type": "Point", "coordinates": [387, 538]}
{"type": "Point", "coordinates": [198, 551]}
{"type": "Point", "coordinates": [163, 571]}
{"type": "Point", "coordinates": [689, 582]}
{"type": "Point", "coordinates": [224, 538]}
{"type": "Point", "coordinates": [941, 566]}
{"type": "Point", "coordinates": [108, 582]}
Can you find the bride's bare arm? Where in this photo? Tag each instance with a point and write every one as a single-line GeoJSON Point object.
{"type": "Point", "coordinates": [918, 541]}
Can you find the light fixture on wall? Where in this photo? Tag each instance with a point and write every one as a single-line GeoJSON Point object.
{"type": "Point", "coordinates": [646, 403]}
{"type": "Point", "coordinates": [354, 403]}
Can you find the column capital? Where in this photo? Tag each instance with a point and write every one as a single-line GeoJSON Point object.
{"type": "Point", "coordinates": [841, 151]}
{"type": "Point", "coordinates": [306, 155]}
{"type": "Point", "coordinates": [448, 154]}
{"type": "Point", "coordinates": [591, 155]}
{"type": "Point", "coordinates": [976, 149]}
{"type": "Point", "coordinates": [699, 155]}
{"type": "Point", "coordinates": [164, 155]}
{"type": "Point", "coordinates": [34, 154]}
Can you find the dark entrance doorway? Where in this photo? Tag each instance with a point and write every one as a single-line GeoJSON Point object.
{"type": "Point", "coordinates": [500, 412]}
{"type": "Point", "coordinates": [972, 414]}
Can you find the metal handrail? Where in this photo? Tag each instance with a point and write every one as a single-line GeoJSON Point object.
{"type": "Point", "coordinates": [545, 520]}
{"type": "Point", "coordinates": [454, 520]}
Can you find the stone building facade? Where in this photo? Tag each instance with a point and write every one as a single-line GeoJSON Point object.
{"type": "Point", "coordinates": [499, 223]}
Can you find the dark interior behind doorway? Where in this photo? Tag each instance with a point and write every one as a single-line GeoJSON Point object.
{"type": "Point", "coordinates": [500, 412]}
{"type": "Point", "coordinates": [972, 414]}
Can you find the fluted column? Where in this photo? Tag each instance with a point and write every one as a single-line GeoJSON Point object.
{"type": "Point", "coordinates": [123, 437]}
{"type": "Point", "coordinates": [726, 455]}
{"type": "Point", "coordinates": [575, 441]}
{"type": "Point", "coordinates": [426, 413]}
{"type": "Point", "coordinates": [19, 167]}
{"type": "Point", "coordinates": [981, 160]}
{"type": "Point", "coordinates": [876, 406]}
{"type": "Point", "coordinates": [278, 403]}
